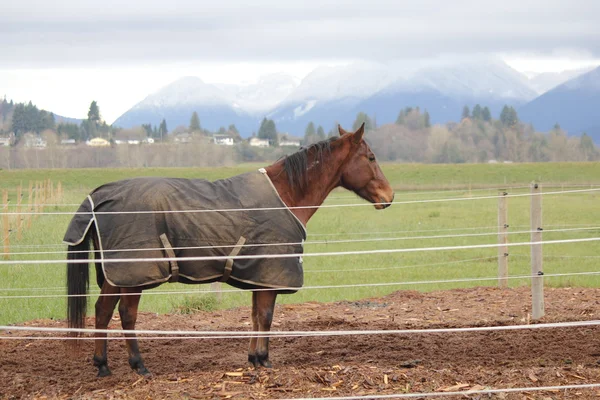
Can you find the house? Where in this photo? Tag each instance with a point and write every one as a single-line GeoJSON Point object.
{"type": "Point", "coordinates": [5, 141]}
{"type": "Point", "coordinates": [258, 142]}
{"type": "Point", "coordinates": [225, 140]}
{"type": "Point", "coordinates": [68, 142]}
{"type": "Point", "coordinates": [148, 140]}
{"type": "Point", "coordinates": [98, 142]}
{"type": "Point", "coordinates": [183, 137]}
{"type": "Point", "coordinates": [289, 142]}
{"type": "Point", "coordinates": [36, 141]}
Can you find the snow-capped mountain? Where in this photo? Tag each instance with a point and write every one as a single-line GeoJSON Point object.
{"type": "Point", "coordinates": [543, 82]}
{"type": "Point", "coordinates": [264, 95]}
{"type": "Point", "coordinates": [573, 105]}
{"type": "Point", "coordinates": [330, 95]}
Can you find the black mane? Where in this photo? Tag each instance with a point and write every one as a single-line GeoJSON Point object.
{"type": "Point", "coordinates": [296, 165]}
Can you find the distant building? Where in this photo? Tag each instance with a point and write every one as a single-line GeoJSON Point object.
{"type": "Point", "coordinates": [148, 140]}
{"type": "Point", "coordinates": [68, 142]}
{"type": "Point", "coordinates": [98, 142]}
{"type": "Point", "coordinates": [183, 137]}
{"type": "Point", "coordinates": [258, 142]}
{"type": "Point", "coordinates": [289, 142]}
{"type": "Point", "coordinates": [5, 141]}
{"type": "Point", "coordinates": [225, 140]}
{"type": "Point", "coordinates": [36, 141]}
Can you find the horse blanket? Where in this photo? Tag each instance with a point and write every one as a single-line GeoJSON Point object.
{"type": "Point", "coordinates": [151, 218]}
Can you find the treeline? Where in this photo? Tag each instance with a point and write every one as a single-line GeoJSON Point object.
{"type": "Point", "coordinates": [476, 138]}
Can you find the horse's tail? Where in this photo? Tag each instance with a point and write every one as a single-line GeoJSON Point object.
{"type": "Point", "coordinates": [78, 281]}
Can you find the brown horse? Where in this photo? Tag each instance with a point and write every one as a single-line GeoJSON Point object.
{"type": "Point", "coordinates": [302, 181]}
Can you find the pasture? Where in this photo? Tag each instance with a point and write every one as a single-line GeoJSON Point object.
{"type": "Point", "coordinates": [435, 206]}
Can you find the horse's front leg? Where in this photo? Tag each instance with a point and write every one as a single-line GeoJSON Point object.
{"type": "Point", "coordinates": [263, 304]}
{"type": "Point", "coordinates": [128, 309]}
{"type": "Point", "coordinates": [105, 306]}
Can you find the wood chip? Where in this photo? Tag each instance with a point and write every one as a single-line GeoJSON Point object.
{"type": "Point", "coordinates": [234, 373]}
{"type": "Point", "coordinates": [454, 388]}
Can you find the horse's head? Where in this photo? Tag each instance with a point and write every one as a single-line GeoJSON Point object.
{"type": "Point", "coordinates": [362, 174]}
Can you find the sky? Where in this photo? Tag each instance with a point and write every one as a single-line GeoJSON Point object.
{"type": "Point", "coordinates": [62, 54]}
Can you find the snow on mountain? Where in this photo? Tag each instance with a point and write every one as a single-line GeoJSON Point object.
{"type": "Point", "coordinates": [573, 105]}
{"type": "Point", "coordinates": [543, 82]}
{"type": "Point", "coordinates": [263, 95]}
{"type": "Point", "coordinates": [476, 78]}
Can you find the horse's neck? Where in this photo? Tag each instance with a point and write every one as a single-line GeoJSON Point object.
{"type": "Point", "coordinates": [323, 178]}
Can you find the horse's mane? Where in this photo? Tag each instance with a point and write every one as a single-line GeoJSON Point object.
{"type": "Point", "coordinates": [296, 165]}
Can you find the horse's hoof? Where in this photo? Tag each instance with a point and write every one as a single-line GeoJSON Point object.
{"type": "Point", "coordinates": [104, 371]}
{"type": "Point", "coordinates": [145, 373]}
{"type": "Point", "coordinates": [253, 360]}
{"type": "Point", "coordinates": [266, 363]}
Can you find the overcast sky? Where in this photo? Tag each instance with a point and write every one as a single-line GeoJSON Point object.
{"type": "Point", "coordinates": [62, 54]}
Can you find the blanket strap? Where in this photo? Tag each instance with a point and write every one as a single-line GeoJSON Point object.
{"type": "Point", "coordinates": [229, 262]}
{"type": "Point", "coordinates": [171, 254]}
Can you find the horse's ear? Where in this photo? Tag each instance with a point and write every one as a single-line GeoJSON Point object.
{"type": "Point", "coordinates": [359, 134]}
{"type": "Point", "coordinates": [341, 130]}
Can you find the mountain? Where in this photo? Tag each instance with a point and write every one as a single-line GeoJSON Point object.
{"type": "Point", "coordinates": [543, 82]}
{"type": "Point", "coordinates": [330, 95]}
{"type": "Point", "coordinates": [264, 95]}
{"type": "Point", "coordinates": [574, 105]}
{"type": "Point", "coordinates": [444, 88]}
{"type": "Point", "coordinates": [177, 101]}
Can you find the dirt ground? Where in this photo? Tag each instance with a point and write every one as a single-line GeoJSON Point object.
{"type": "Point", "coordinates": [334, 366]}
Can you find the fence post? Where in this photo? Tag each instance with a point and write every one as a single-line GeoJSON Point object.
{"type": "Point", "coordinates": [537, 270]}
{"type": "Point", "coordinates": [5, 225]}
{"type": "Point", "coordinates": [502, 240]}
{"type": "Point", "coordinates": [19, 217]}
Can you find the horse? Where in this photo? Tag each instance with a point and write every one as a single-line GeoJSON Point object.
{"type": "Point", "coordinates": [300, 183]}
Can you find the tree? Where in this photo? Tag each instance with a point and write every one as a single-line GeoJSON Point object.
{"type": "Point", "coordinates": [477, 112]}
{"type": "Point", "coordinates": [465, 113]}
{"type": "Point", "coordinates": [426, 120]}
{"type": "Point", "coordinates": [94, 113]}
{"type": "Point", "coordinates": [486, 115]}
{"type": "Point", "coordinates": [70, 131]}
{"type": "Point", "coordinates": [321, 133]}
{"type": "Point", "coordinates": [268, 131]}
{"type": "Point", "coordinates": [508, 116]}
{"type": "Point", "coordinates": [310, 134]}
{"type": "Point", "coordinates": [195, 123]}
{"type": "Point", "coordinates": [162, 129]}
{"type": "Point", "coordinates": [360, 118]}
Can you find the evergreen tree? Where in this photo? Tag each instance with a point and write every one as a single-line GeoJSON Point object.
{"type": "Point", "coordinates": [508, 116]}
{"type": "Point", "coordinates": [94, 113]}
{"type": "Point", "coordinates": [310, 134]}
{"type": "Point", "coordinates": [162, 129]}
{"type": "Point", "coordinates": [268, 131]}
{"type": "Point", "coordinates": [426, 120]}
{"type": "Point", "coordinates": [465, 113]}
{"type": "Point", "coordinates": [195, 123]}
{"type": "Point", "coordinates": [360, 118]}
{"type": "Point", "coordinates": [321, 133]}
{"type": "Point", "coordinates": [477, 112]}
{"type": "Point", "coordinates": [486, 115]}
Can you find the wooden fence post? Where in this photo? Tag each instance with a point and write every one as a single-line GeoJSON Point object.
{"type": "Point", "coordinates": [30, 204]}
{"type": "Point", "coordinates": [5, 225]}
{"type": "Point", "coordinates": [537, 270]}
{"type": "Point", "coordinates": [19, 217]}
{"type": "Point", "coordinates": [502, 240]}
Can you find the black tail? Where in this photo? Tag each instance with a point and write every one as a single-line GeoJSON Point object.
{"type": "Point", "coordinates": [78, 282]}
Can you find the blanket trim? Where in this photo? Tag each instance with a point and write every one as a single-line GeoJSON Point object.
{"type": "Point", "coordinates": [171, 254]}
{"type": "Point", "coordinates": [264, 172]}
{"type": "Point", "coordinates": [229, 262]}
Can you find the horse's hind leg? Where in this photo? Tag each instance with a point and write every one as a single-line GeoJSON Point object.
{"type": "Point", "coordinates": [263, 304]}
{"type": "Point", "coordinates": [128, 309]}
{"type": "Point", "coordinates": [105, 306]}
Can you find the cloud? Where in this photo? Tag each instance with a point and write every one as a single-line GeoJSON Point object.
{"type": "Point", "coordinates": [83, 33]}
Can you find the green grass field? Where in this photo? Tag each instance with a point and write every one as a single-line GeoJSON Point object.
{"type": "Point", "coordinates": [408, 224]}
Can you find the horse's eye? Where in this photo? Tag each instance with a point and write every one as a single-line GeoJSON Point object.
{"type": "Point", "coordinates": [372, 158]}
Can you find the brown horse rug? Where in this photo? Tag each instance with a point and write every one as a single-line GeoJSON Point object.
{"type": "Point", "coordinates": [155, 218]}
